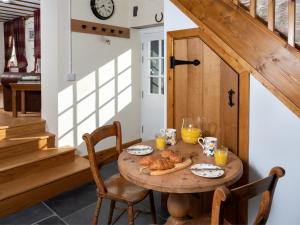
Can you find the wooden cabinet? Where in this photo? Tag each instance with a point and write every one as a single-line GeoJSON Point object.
{"type": "Point", "coordinates": [209, 91]}
{"type": "Point", "coordinates": [146, 11]}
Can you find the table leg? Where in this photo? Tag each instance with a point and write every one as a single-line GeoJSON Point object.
{"type": "Point", "coordinates": [14, 103]}
{"type": "Point", "coordinates": [23, 102]}
{"type": "Point", "coordinates": [183, 208]}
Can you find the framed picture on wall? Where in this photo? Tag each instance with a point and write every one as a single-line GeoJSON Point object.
{"type": "Point", "coordinates": [31, 35]}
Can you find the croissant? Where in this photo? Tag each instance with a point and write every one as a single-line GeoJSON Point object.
{"type": "Point", "coordinates": [166, 153]}
{"type": "Point", "coordinates": [161, 164]}
{"type": "Point", "coordinates": [147, 160]}
{"type": "Point", "coordinates": [174, 157]}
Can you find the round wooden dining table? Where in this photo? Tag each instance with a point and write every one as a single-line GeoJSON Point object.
{"type": "Point", "coordinates": [181, 185]}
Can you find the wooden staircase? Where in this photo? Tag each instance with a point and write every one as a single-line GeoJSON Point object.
{"type": "Point", "coordinates": [32, 169]}
{"type": "Point", "coordinates": [249, 46]}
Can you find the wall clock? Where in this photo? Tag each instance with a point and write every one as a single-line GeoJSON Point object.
{"type": "Point", "coordinates": [103, 9]}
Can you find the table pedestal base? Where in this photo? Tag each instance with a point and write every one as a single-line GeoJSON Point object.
{"type": "Point", "coordinates": [183, 208]}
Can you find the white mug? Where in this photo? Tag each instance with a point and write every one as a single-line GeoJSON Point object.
{"type": "Point", "coordinates": [170, 135]}
{"type": "Point", "coordinates": [209, 144]}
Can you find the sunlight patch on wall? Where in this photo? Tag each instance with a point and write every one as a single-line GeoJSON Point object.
{"type": "Point", "coordinates": [124, 79]}
{"type": "Point", "coordinates": [67, 139]}
{"type": "Point", "coordinates": [106, 72]}
{"type": "Point", "coordinates": [107, 112]}
{"type": "Point", "coordinates": [86, 86]}
{"type": "Point", "coordinates": [87, 126]}
{"type": "Point", "coordinates": [124, 98]}
{"type": "Point", "coordinates": [65, 122]}
{"type": "Point", "coordinates": [106, 92]}
{"type": "Point", "coordinates": [124, 61]}
{"type": "Point", "coordinates": [65, 99]}
{"type": "Point", "coordinates": [86, 107]}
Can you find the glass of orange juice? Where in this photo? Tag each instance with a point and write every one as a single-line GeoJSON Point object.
{"type": "Point", "coordinates": [221, 156]}
{"type": "Point", "coordinates": [190, 130]}
{"type": "Point", "coordinates": [160, 141]}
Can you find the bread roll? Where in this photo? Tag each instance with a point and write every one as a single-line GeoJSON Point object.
{"type": "Point", "coordinates": [147, 160]}
{"type": "Point", "coordinates": [161, 164]}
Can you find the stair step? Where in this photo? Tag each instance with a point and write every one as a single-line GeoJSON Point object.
{"type": "Point", "coordinates": [22, 128]}
{"type": "Point", "coordinates": [26, 164]}
{"type": "Point", "coordinates": [41, 178]}
{"type": "Point", "coordinates": [14, 146]}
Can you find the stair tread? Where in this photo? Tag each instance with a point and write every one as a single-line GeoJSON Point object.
{"type": "Point", "coordinates": [12, 122]}
{"type": "Point", "coordinates": [7, 142]}
{"type": "Point", "coordinates": [43, 177]}
{"type": "Point", "coordinates": [33, 156]}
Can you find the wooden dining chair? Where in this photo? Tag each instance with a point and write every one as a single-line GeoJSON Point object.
{"type": "Point", "coordinates": [116, 188]}
{"type": "Point", "coordinates": [223, 198]}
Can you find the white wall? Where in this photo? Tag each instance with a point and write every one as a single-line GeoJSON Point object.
{"type": "Point", "coordinates": [107, 87]}
{"type": "Point", "coordinates": [2, 59]}
{"type": "Point", "coordinates": [274, 139]}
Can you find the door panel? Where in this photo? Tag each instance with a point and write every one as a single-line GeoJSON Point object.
{"type": "Point", "coordinates": [203, 91]}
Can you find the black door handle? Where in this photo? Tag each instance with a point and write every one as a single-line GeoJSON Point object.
{"type": "Point", "coordinates": [230, 96]}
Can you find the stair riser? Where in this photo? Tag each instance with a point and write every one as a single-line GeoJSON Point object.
{"type": "Point", "coordinates": [34, 145]}
{"type": "Point", "coordinates": [22, 130]}
{"type": "Point", "coordinates": [31, 197]}
{"type": "Point", "coordinates": [44, 164]}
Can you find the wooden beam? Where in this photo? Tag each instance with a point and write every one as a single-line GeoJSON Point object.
{"type": "Point", "coordinates": [7, 14]}
{"type": "Point", "coordinates": [24, 6]}
{"type": "Point", "coordinates": [5, 18]}
{"type": "Point", "coordinates": [33, 3]}
{"type": "Point", "coordinates": [14, 8]}
{"type": "Point", "coordinates": [18, 13]}
{"type": "Point", "coordinates": [252, 8]}
{"type": "Point", "coordinates": [271, 15]}
{"type": "Point", "coordinates": [291, 22]}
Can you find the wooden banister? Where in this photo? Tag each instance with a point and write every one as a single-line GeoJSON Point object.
{"type": "Point", "coordinates": [252, 8]}
{"type": "Point", "coordinates": [291, 22]}
{"type": "Point", "coordinates": [271, 15]}
{"type": "Point", "coordinates": [236, 2]}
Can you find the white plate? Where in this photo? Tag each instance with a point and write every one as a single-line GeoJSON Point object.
{"type": "Point", "coordinates": [208, 170]}
{"type": "Point", "coordinates": [139, 150]}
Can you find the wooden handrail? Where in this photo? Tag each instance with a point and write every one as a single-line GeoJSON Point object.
{"type": "Point", "coordinates": [291, 22]}
{"type": "Point", "coordinates": [236, 2]}
{"type": "Point", "coordinates": [271, 15]}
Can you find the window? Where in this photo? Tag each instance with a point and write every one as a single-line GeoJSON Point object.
{"type": "Point", "coordinates": [156, 64]}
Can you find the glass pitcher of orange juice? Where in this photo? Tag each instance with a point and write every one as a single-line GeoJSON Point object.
{"type": "Point", "coordinates": [190, 130]}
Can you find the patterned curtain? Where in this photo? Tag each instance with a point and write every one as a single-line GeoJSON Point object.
{"type": "Point", "coordinates": [37, 37]}
{"type": "Point", "coordinates": [8, 42]}
{"type": "Point", "coordinates": [19, 36]}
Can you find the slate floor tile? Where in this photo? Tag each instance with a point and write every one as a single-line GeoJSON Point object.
{"type": "Point", "coordinates": [68, 203]}
{"type": "Point", "coordinates": [84, 216]}
{"type": "Point", "coordinates": [27, 216]}
{"type": "Point", "coordinates": [53, 220]}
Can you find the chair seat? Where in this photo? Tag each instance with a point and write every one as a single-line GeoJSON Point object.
{"type": "Point", "coordinates": [120, 189]}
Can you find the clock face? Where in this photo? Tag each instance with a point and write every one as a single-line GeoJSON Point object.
{"type": "Point", "coordinates": [103, 9]}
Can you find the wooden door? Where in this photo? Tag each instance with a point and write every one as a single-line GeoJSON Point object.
{"type": "Point", "coordinates": [204, 91]}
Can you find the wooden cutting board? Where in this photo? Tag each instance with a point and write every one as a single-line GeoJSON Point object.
{"type": "Point", "coordinates": [178, 166]}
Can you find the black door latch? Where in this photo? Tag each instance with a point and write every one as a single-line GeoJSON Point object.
{"type": "Point", "coordinates": [230, 96]}
{"type": "Point", "coordinates": [176, 62]}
